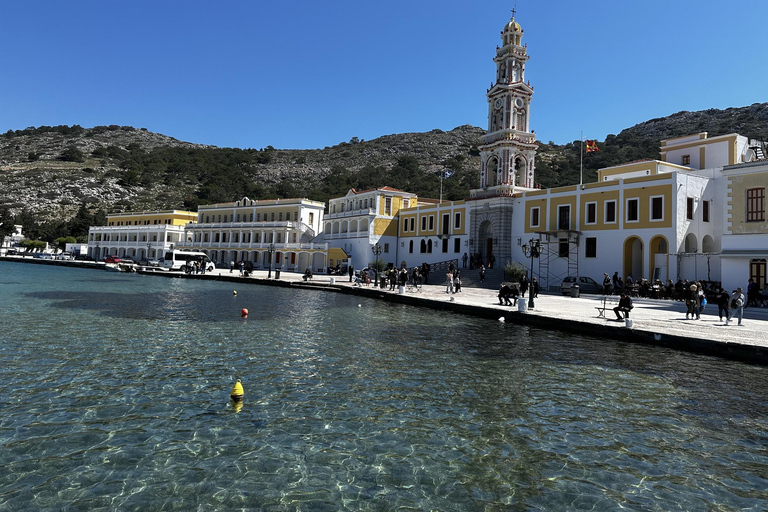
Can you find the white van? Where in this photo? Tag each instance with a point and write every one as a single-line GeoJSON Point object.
{"type": "Point", "coordinates": [178, 260]}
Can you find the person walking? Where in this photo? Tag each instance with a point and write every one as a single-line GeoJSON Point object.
{"type": "Point", "coordinates": [351, 273]}
{"type": "Point", "coordinates": [482, 273]}
{"type": "Point", "coordinates": [722, 303]}
{"type": "Point", "coordinates": [449, 282]}
{"type": "Point", "coordinates": [523, 285]}
{"type": "Point", "coordinates": [464, 260]}
{"type": "Point", "coordinates": [691, 296]}
{"type": "Point", "coordinates": [535, 288]}
{"type": "Point", "coordinates": [607, 287]}
{"type": "Point", "coordinates": [737, 306]}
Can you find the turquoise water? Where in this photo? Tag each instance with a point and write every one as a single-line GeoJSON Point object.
{"type": "Point", "coordinates": [114, 395]}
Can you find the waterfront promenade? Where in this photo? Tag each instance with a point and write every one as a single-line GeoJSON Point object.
{"type": "Point", "coordinates": [657, 322]}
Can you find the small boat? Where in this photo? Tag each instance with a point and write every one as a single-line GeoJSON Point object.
{"type": "Point", "coordinates": [120, 267]}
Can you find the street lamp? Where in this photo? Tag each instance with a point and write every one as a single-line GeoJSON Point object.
{"type": "Point", "coordinates": [149, 246]}
{"type": "Point", "coordinates": [376, 251]}
{"type": "Point", "coordinates": [271, 250]}
{"type": "Point", "coordinates": [532, 249]}
{"type": "Point", "coordinates": [98, 255]}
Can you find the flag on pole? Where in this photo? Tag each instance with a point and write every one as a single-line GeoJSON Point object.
{"type": "Point", "coordinates": [447, 174]}
{"type": "Point", "coordinates": [592, 146]}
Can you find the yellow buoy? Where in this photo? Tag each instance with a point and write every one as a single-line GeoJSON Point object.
{"type": "Point", "coordinates": [234, 292]}
{"type": "Point", "coordinates": [237, 392]}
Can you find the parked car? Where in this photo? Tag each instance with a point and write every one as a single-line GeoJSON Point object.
{"type": "Point", "coordinates": [43, 256]}
{"type": "Point", "coordinates": [64, 256]}
{"type": "Point", "coordinates": [83, 257]}
{"type": "Point", "coordinates": [586, 285]}
{"type": "Point", "coordinates": [112, 259]}
{"type": "Point", "coordinates": [151, 262]}
{"type": "Point", "coordinates": [127, 261]}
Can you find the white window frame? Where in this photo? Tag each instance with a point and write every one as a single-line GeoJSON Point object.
{"type": "Point", "coordinates": [626, 210]}
{"type": "Point", "coordinates": [537, 209]}
{"type": "Point", "coordinates": [615, 211]}
{"type": "Point", "coordinates": [560, 208]}
{"type": "Point", "coordinates": [586, 213]}
{"type": "Point", "coordinates": [650, 207]}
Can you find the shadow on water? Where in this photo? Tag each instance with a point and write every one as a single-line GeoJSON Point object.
{"type": "Point", "coordinates": [167, 306]}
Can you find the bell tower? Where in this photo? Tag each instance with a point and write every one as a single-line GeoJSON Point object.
{"type": "Point", "coordinates": [509, 148]}
{"type": "Point", "coordinates": [507, 151]}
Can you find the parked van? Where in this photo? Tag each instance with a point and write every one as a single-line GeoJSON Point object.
{"type": "Point", "coordinates": [178, 260]}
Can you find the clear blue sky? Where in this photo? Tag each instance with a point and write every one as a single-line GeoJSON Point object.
{"type": "Point", "coordinates": [312, 74]}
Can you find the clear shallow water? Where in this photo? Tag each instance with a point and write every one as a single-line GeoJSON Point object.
{"type": "Point", "coordinates": [114, 394]}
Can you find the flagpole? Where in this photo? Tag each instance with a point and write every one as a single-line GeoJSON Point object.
{"type": "Point", "coordinates": [581, 158]}
{"type": "Point", "coordinates": [441, 185]}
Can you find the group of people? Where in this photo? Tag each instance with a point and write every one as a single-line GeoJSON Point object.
{"type": "Point", "coordinates": [244, 267]}
{"type": "Point", "coordinates": [195, 267]}
{"type": "Point", "coordinates": [476, 261]}
{"type": "Point", "coordinates": [510, 292]}
{"type": "Point", "coordinates": [453, 281]}
{"type": "Point", "coordinates": [728, 305]}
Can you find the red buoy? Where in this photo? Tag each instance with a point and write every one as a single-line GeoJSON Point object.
{"type": "Point", "coordinates": [244, 313]}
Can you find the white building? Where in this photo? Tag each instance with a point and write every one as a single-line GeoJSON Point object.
{"type": "Point", "coordinates": [11, 242]}
{"type": "Point", "coordinates": [283, 232]}
{"type": "Point", "coordinates": [359, 220]}
{"type": "Point", "coordinates": [139, 235]}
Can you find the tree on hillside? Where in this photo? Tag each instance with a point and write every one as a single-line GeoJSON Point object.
{"type": "Point", "coordinates": [72, 154]}
{"type": "Point", "coordinates": [6, 223]}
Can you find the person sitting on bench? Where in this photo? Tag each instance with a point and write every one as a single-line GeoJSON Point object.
{"type": "Point", "coordinates": [625, 306]}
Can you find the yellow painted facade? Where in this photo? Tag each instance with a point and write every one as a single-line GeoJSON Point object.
{"type": "Point", "coordinates": [428, 220]}
{"type": "Point", "coordinates": [737, 202]}
{"type": "Point", "coordinates": [643, 196]}
{"type": "Point", "coordinates": [589, 207]}
{"type": "Point", "coordinates": [168, 217]}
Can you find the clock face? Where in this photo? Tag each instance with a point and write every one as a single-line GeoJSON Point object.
{"type": "Point", "coordinates": [498, 103]}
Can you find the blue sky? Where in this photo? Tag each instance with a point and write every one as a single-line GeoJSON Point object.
{"type": "Point", "coordinates": [307, 75]}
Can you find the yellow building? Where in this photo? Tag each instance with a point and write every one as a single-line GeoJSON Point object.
{"type": "Point", "coordinates": [139, 235]}
{"type": "Point", "coordinates": [358, 221]}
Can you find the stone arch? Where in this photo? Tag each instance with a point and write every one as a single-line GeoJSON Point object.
{"type": "Point", "coordinates": [658, 250]}
{"type": "Point", "coordinates": [492, 172]}
{"type": "Point", "coordinates": [691, 243]}
{"type": "Point", "coordinates": [633, 257]}
{"type": "Point", "coordinates": [519, 167]}
{"type": "Point", "coordinates": [708, 244]}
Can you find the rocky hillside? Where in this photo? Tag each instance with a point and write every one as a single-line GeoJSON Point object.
{"type": "Point", "coordinates": [50, 175]}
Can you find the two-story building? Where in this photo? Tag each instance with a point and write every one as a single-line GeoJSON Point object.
{"type": "Point", "coordinates": [359, 220]}
{"type": "Point", "coordinates": [139, 235]}
{"type": "Point", "coordinates": [280, 232]}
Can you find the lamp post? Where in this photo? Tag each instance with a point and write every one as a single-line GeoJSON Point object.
{"type": "Point", "coordinates": [97, 251]}
{"type": "Point", "coordinates": [149, 246]}
{"type": "Point", "coordinates": [532, 249]}
{"type": "Point", "coordinates": [376, 249]}
{"type": "Point", "coordinates": [271, 250]}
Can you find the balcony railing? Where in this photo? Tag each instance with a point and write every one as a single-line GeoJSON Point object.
{"type": "Point", "coordinates": [264, 246]}
{"type": "Point", "coordinates": [351, 213]}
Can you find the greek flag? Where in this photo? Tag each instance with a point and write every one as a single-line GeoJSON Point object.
{"type": "Point", "coordinates": [446, 174]}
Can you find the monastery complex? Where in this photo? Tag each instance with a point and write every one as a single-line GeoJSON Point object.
{"type": "Point", "coordinates": [698, 212]}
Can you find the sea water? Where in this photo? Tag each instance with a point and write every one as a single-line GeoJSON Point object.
{"type": "Point", "coordinates": [114, 395]}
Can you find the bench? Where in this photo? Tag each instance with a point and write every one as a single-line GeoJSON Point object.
{"type": "Point", "coordinates": [608, 303]}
